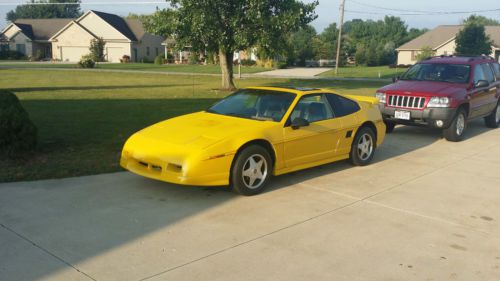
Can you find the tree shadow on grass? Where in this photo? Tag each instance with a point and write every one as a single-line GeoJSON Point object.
{"type": "Point", "coordinates": [84, 88]}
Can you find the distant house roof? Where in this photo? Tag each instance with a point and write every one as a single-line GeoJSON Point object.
{"type": "Point", "coordinates": [120, 24]}
{"type": "Point", "coordinates": [136, 27]}
{"type": "Point", "coordinates": [444, 34]}
{"type": "Point", "coordinates": [41, 29]}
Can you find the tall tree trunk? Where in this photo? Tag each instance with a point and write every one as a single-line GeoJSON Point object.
{"type": "Point", "coordinates": [226, 65]}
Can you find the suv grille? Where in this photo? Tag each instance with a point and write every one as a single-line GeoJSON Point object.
{"type": "Point", "coordinates": [406, 101]}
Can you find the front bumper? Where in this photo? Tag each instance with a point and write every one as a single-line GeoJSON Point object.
{"type": "Point", "coordinates": [426, 117]}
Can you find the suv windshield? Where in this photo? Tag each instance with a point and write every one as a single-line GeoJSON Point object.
{"type": "Point", "coordinates": [452, 73]}
{"type": "Point", "coordinates": [255, 104]}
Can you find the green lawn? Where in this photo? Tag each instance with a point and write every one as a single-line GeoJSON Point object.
{"type": "Point", "coordinates": [208, 69]}
{"type": "Point", "coordinates": [383, 72]}
{"type": "Point", "coordinates": [84, 118]}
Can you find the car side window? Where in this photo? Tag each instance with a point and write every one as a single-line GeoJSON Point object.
{"type": "Point", "coordinates": [342, 106]}
{"type": "Point", "coordinates": [490, 77]}
{"type": "Point", "coordinates": [478, 74]}
{"type": "Point", "coordinates": [312, 108]}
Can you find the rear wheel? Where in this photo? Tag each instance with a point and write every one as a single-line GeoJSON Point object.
{"type": "Point", "coordinates": [363, 147]}
{"type": "Point", "coordinates": [493, 120]}
{"type": "Point", "coordinates": [251, 170]}
{"type": "Point", "coordinates": [456, 131]}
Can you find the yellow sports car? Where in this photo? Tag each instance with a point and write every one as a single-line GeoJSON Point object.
{"type": "Point", "coordinates": [255, 133]}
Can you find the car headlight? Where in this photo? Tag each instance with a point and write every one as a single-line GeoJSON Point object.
{"type": "Point", "coordinates": [439, 102]}
{"type": "Point", "coordinates": [382, 97]}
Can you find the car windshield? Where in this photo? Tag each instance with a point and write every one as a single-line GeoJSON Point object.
{"type": "Point", "coordinates": [452, 73]}
{"type": "Point", "coordinates": [255, 104]}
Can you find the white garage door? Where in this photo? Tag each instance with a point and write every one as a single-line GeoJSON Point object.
{"type": "Point", "coordinates": [114, 54]}
{"type": "Point", "coordinates": [73, 54]}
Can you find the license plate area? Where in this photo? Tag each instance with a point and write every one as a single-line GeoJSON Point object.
{"type": "Point", "coordinates": [403, 115]}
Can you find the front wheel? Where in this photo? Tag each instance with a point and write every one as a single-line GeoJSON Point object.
{"type": "Point", "coordinates": [251, 170]}
{"type": "Point", "coordinates": [363, 147]}
{"type": "Point", "coordinates": [493, 120]}
{"type": "Point", "coordinates": [456, 131]}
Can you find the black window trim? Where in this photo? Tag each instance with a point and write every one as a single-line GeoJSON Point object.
{"type": "Point", "coordinates": [288, 122]}
{"type": "Point", "coordinates": [333, 109]}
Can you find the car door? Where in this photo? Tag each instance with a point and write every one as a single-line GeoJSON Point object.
{"type": "Point", "coordinates": [345, 111]}
{"type": "Point", "coordinates": [315, 142]}
{"type": "Point", "coordinates": [481, 97]}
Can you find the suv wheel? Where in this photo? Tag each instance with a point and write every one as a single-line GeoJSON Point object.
{"type": "Point", "coordinates": [493, 120]}
{"type": "Point", "coordinates": [456, 131]}
{"type": "Point", "coordinates": [251, 170]}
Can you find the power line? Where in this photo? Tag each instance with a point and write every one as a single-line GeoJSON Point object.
{"type": "Point", "coordinates": [416, 12]}
{"type": "Point", "coordinates": [85, 3]}
{"type": "Point", "coordinates": [419, 14]}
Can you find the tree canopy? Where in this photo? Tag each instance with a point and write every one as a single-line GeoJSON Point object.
{"type": "Point", "coordinates": [226, 26]}
{"type": "Point", "coordinates": [34, 10]}
{"type": "Point", "coordinates": [480, 20]}
{"type": "Point", "coordinates": [473, 41]}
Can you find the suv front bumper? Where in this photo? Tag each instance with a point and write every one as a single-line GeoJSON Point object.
{"type": "Point", "coordinates": [427, 117]}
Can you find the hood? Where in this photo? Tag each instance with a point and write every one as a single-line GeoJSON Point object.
{"type": "Point", "coordinates": [424, 88]}
{"type": "Point", "coordinates": [200, 129]}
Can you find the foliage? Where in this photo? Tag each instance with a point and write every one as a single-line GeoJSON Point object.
{"type": "Point", "coordinates": [301, 46]}
{"type": "Point", "coordinates": [426, 52]}
{"type": "Point", "coordinates": [473, 41]}
{"type": "Point", "coordinates": [125, 59]}
{"type": "Point", "coordinates": [11, 55]}
{"type": "Point", "coordinates": [160, 59]}
{"type": "Point", "coordinates": [480, 20]}
{"type": "Point", "coordinates": [248, 62]}
{"type": "Point", "coordinates": [38, 55]}
{"type": "Point", "coordinates": [97, 49]}
{"type": "Point", "coordinates": [86, 61]}
{"type": "Point", "coordinates": [48, 11]}
{"type": "Point", "coordinates": [223, 26]}
{"type": "Point", "coordinates": [17, 133]}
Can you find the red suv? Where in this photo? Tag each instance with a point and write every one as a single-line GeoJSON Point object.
{"type": "Point", "coordinates": [444, 92]}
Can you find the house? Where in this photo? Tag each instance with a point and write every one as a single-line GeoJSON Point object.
{"type": "Point", "coordinates": [442, 41]}
{"type": "Point", "coordinates": [29, 36]}
{"type": "Point", "coordinates": [122, 37]}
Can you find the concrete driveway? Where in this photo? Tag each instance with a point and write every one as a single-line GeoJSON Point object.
{"type": "Point", "coordinates": [426, 210]}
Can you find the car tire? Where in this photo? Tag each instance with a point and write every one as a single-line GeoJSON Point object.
{"type": "Point", "coordinates": [456, 131]}
{"type": "Point", "coordinates": [251, 170]}
{"type": "Point", "coordinates": [493, 120]}
{"type": "Point", "coordinates": [363, 147]}
{"type": "Point", "coordinates": [389, 127]}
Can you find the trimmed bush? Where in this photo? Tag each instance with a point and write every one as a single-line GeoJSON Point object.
{"type": "Point", "coordinates": [248, 62]}
{"type": "Point", "coordinates": [125, 59]}
{"type": "Point", "coordinates": [11, 55]}
{"type": "Point", "coordinates": [17, 133]}
{"type": "Point", "coordinates": [86, 62]}
{"type": "Point", "coordinates": [159, 60]}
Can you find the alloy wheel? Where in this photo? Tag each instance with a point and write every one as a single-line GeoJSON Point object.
{"type": "Point", "coordinates": [255, 171]}
{"type": "Point", "coordinates": [365, 147]}
{"type": "Point", "coordinates": [460, 124]}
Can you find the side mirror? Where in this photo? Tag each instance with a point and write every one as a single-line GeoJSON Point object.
{"type": "Point", "coordinates": [482, 84]}
{"type": "Point", "coordinates": [298, 123]}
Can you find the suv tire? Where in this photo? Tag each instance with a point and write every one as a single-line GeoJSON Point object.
{"type": "Point", "coordinates": [389, 127]}
{"type": "Point", "coordinates": [456, 131]}
{"type": "Point", "coordinates": [493, 120]}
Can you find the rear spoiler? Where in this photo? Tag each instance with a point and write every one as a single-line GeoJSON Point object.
{"type": "Point", "coordinates": [369, 100]}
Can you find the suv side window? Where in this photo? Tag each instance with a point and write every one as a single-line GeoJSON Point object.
{"type": "Point", "coordinates": [342, 106]}
{"type": "Point", "coordinates": [496, 68]}
{"type": "Point", "coordinates": [490, 77]}
{"type": "Point", "coordinates": [313, 108]}
{"type": "Point", "coordinates": [478, 74]}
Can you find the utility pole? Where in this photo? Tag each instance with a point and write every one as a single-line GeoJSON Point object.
{"type": "Point", "coordinates": [339, 40]}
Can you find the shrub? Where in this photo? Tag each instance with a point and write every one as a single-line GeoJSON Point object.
{"type": "Point", "coordinates": [280, 64]}
{"type": "Point", "coordinates": [11, 55]}
{"type": "Point", "coordinates": [194, 58]}
{"type": "Point", "coordinates": [38, 56]}
{"type": "Point", "coordinates": [17, 133]}
{"type": "Point", "coordinates": [248, 62]}
{"type": "Point", "coordinates": [86, 62]}
{"type": "Point", "coordinates": [160, 60]}
{"type": "Point", "coordinates": [97, 49]}
{"type": "Point", "coordinates": [125, 59]}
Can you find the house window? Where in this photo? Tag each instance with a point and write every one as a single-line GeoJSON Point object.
{"type": "Point", "coordinates": [413, 55]}
{"type": "Point", "coordinates": [147, 51]}
{"type": "Point", "coordinates": [21, 48]}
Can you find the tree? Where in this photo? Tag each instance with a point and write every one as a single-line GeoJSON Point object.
{"type": "Point", "coordinates": [480, 20]}
{"type": "Point", "coordinates": [425, 52]}
{"type": "Point", "coordinates": [35, 10]}
{"type": "Point", "coordinates": [97, 49]}
{"type": "Point", "coordinates": [473, 41]}
{"type": "Point", "coordinates": [302, 44]}
{"type": "Point", "coordinates": [226, 26]}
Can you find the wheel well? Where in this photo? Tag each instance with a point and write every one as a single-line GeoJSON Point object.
{"type": "Point", "coordinates": [263, 143]}
{"type": "Point", "coordinates": [370, 125]}
{"type": "Point", "coordinates": [466, 107]}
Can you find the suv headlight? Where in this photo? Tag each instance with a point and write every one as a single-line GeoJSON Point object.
{"type": "Point", "coordinates": [382, 97]}
{"type": "Point", "coordinates": [439, 102]}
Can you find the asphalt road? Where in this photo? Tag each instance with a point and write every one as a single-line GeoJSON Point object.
{"type": "Point", "coordinates": [425, 210]}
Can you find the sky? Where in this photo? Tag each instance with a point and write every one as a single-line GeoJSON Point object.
{"type": "Point", "coordinates": [328, 10]}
